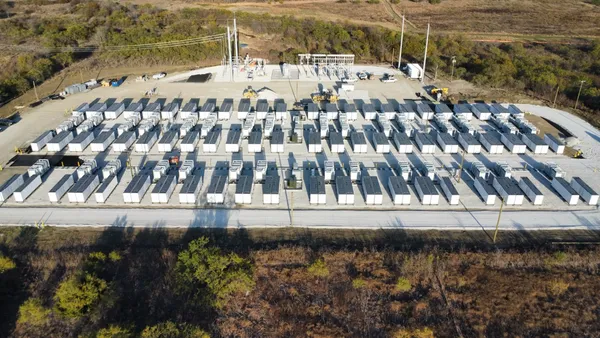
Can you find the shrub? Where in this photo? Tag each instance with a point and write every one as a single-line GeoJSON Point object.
{"type": "Point", "coordinates": [201, 267]}
{"type": "Point", "coordinates": [173, 330]}
{"type": "Point", "coordinates": [395, 2]}
{"type": "Point", "coordinates": [114, 331]}
{"type": "Point", "coordinates": [373, 2]}
{"type": "Point", "coordinates": [78, 294]}
{"type": "Point", "coordinates": [403, 284]}
{"type": "Point", "coordinates": [319, 268]}
{"type": "Point", "coordinates": [358, 283]}
{"type": "Point", "coordinates": [32, 312]}
{"type": "Point", "coordinates": [6, 264]}
{"type": "Point", "coordinates": [557, 287]}
{"type": "Point", "coordinates": [114, 256]}
{"type": "Point", "coordinates": [417, 333]}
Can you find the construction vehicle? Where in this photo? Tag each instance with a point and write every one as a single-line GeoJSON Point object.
{"type": "Point", "coordinates": [151, 92]}
{"type": "Point", "coordinates": [388, 78]}
{"type": "Point", "coordinates": [578, 154]}
{"type": "Point", "coordinates": [250, 93]}
{"type": "Point", "coordinates": [438, 93]}
{"type": "Point", "coordinates": [107, 82]}
{"type": "Point", "coordinates": [328, 95]}
{"type": "Point", "coordinates": [174, 160]}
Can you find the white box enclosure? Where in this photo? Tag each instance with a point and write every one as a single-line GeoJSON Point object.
{"type": "Point", "coordinates": [190, 189]}
{"type": "Point", "coordinates": [372, 190]}
{"type": "Point", "coordinates": [106, 188]}
{"type": "Point", "coordinates": [8, 187]}
{"type": "Point", "coordinates": [585, 191]}
{"type": "Point", "coordinates": [450, 191]}
{"type": "Point", "coordinates": [531, 191]}
{"type": "Point", "coordinates": [399, 190]}
{"type": "Point", "coordinates": [565, 190]}
{"type": "Point", "coordinates": [163, 189]}
{"type": "Point", "coordinates": [61, 187]}
{"type": "Point", "coordinates": [137, 188]}
{"type": "Point", "coordinates": [317, 190]}
{"type": "Point", "coordinates": [344, 190]}
{"type": "Point", "coordinates": [426, 190]}
{"type": "Point", "coordinates": [271, 190]}
{"type": "Point", "coordinates": [485, 190]}
{"type": "Point", "coordinates": [508, 190]}
{"type": "Point", "coordinates": [85, 186]}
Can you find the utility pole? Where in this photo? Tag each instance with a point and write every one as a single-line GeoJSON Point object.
{"type": "Point", "coordinates": [425, 57]}
{"type": "Point", "coordinates": [462, 162]}
{"type": "Point", "coordinates": [229, 49]}
{"type": "Point", "coordinates": [235, 42]}
{"type": "Point", "coordinates": [555, 96]}
{"type": "Point", "coordinates": [499, 216]}
{"type": "Point", "coordinates": [401, 41]}
{"type": "Point", "coordinates": [453, 62]}
{"type": "Point", "coordinates": [579, 93]}
{"type": "Point", "coordinates": [35, 90]}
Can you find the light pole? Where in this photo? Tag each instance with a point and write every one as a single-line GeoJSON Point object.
{"type": "Point", "coordinates": [453, 62]}
{"type": "Point", "coordinates": [579, 93]}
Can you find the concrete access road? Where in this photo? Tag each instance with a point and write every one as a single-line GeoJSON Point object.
{"type": "Point", "coordinates": [365, 219]}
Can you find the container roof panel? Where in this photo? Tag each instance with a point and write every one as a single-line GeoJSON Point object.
{"type": "Point", "coordinates": [399, 185]}
{"type": "Point", "coordinates": [212, 137]}
{"type": "Point", "coordinates": [462, 108]}
{"type": "Point", "coordinates": [81, 137]}
{"type": "Point", "coordinates": [481, 107]}
{"type": "Point", "coordinates": [98, 107]}
{"type": "Point", "coordinates": [191, 106]}
{"type": "Point", "coordinates": [244, 184]}
{"type": "Point", "coordinates": [538, 141]}
{"type": "Point", "coordinates": [447, 139]}
{"type": "Point", "coordinates": [281, 107]}
{"type": "Point", "coordinates": [168, 137]}
{"type": "Point", "coordinates": [554, 139]}
{"type": "Point", "coordinates": [349, 108]}
{"type": "Point", "coordinates": [116, 106]}
{"type": "Point", "coordinates": [317, 185]}
{"type": "Point", "coordinates": [190, 184]}
{"type": "Point", "coordinates": [314, 138]}
{"type": "Point", "coordinates": [469, 139]}
{"type": "Point", "coordinates": [387, 108]}
{"type": "Point", "coordinates": [406, 108]}
{"type": "Point", "coordinates": [358, 138]}
{"type": "Point", "coordinates": [509, 186]}
{"type": "Point", "coordinates": [277, 137]}
{"type": "Point", "coordinates": [154, 106]}
{"type": "Point", "coordinates": [492, 138]}
{"type": "Point", "coordinates": [424, 138]}
{"type": "Point", "coordinates": [262, 106]}
{"type": "Point", "coordinates": [58, 138]}
{"type": "Point", "coordinates": [255, 137]}
{"type": "Point", "coordinates": [486, 186]}
{"type": "Point", "coordinates": [380, 138]}
{"type": "Point", "coordinates": [311, 107]}
{"type": "Point", "coordinates": [9, 181]}
{"type": "Point", "coordinates": [191, 137]}
{"type": "Point", "coordinates": [105, 183]}
{"type": "Point", "coordinates": [514, 139]}
{"type": "Point", "coordinates": [402, 138]}
{"type": "Point", "coordinates": [103, 136]}
{"type": "Point", "coordinates": [244, 105]}
{"type": "Point", "coordinates": [26, 183]}
{"type": "Point", "coordinates": [368, 108]}
{"type": "Point", "coordinates": [331, 107]}
{"type": "Point", "coordinates": [531, 186]}
{"type": "Point", "coordinates": [343, 185]}
{"type": "Point", "coordinates": [135, 106]}
{"type": "Point", "coordinates": [566, 184]}
{"type": "Point", "coordinates": [60, 183]}
{"type": "Point", "coordinates": [584, 185]}
{"type": "Point", "coordinates": [271, 185]}
{"type": "Point", "coordinates": [371, 185]}
{"type": "Point", "coordinates": [208, 106]}
{"type": "Point", "coordinates": [425, 107]}
{"type": "Point", "coordinates": [169, 181]}
{"type": "Point", "coordinates": [443, 108]}
{"type": "Point", "coordinates": [226, 105]}
{"type": "Point", "coordinates": [426, 185]}
{"type": "Point", "coordinates": [450, 186]}
{"type": "Point", "coordinates": [233, 136]}
{"type": "Point", "coordinates": [335, 137]}
{"type": "Point", "coordinates": [44, 134]}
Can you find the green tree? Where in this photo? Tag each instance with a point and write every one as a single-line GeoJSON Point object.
{"type": "Point", "coordinates": [32, 312]}
{"type": "Point", "coordinates": [114, 331]}
{"type": "Point", "coordinates": [78, 294]}
{"type": "Point", "coordinates": [173, 330]}
{"type": "Point", "coordinates": [318, 268]}
{"type": "Point", "coordinates": [403, 284]}
{"type": "Point", "coordinates": [6, 264]}
{"type": "Point", "coordinates": [223, 275]}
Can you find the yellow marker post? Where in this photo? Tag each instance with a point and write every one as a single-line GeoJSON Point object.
{"type": "Point", "coordinates": [62, 164]}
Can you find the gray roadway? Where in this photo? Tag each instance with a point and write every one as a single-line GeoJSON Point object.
{"type": "Point", "coordinates": [442, 220]}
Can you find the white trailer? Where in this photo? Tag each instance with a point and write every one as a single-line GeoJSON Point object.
{"type": "Point", "coordinates": [41, 141]}
{"type": "Point", "coordinates": [491, 142]}
{"type": "Point", "coordinates": [513, 143]}
{"type": "Point", "coordinates": [369, 111]}
{"type": "Point", "coordinates": [426, 191]}
{"type": "Point", "coordinates": [565, 190]}
{"type": "Point", "coordinates": [381, 143]}
{"type": "Point", "coordinates": [123, 142]}
{"type": "Point", "coordinates": [535, 143]}
{"type": "Point", "coordinates": [163, 189]}
{"type": "Point", "coordinates": [189, 109]}
{"type": "Point", "coordinates": [312, 111]}
{"type": "Point", "coordinates": [531, 191]}
{"type": "Point", "coordinates": [262, 109]}
{"type": "Point", "coordinates": [60, 141]}
{"type": "Point", "coordinates": [169, 111]}
{"type": "Point", "coordinates": [255, 142]}
{"type": "Point", "coordinates": [136, 189]}
{"type": "Point", "coordinates": [277, 142]}
{"type": "Point", "coordinates": [314, 143]}
{"type": "Point", "coordinates": [508, 190]}
{"type": "Point", "coordinates": [234, 139]}
{"type": "Point", "coordinates": [61, 187]}
{"type": "Point", "coordinates": [115, 110]}
{"type": "Point", "coordinates": [450, 191]}
{"type": "Point", "coordinates": [469, 143]}
{"type": "Point", "coordinates": [481, 111]}
{"type": "Point", "coordinates": [243, 109]}
{"type": "Point", "coordinates": [207, 109]}
{"type": "Point", "coordinates": [82, 141]}
{"type": "Point", "coordinates": [270, 190]}
{"type": "Point", "coordinates": [190, 189]}
{"type": "Point", "coordinates": [106, 188]}
{"type": "Point", "coordinates": [425, 144]}
{"type": "Point", "coordinates": [555, 144]}
{"type": "Point", "coordinates": [485, 190]}
{"type": "Point", "coordinates": [190, 141]}
{"type": "Point", "coordinates": [145, 143]}
{"type": "Point", "coordinates": [585, 191]}
{"type": "Point", "coordinates": [414, 71]}
{"type": "Point", "coordinates": [216, 190]}
{"type": "Point", "coordinates": [359, 142]}
{"type": "Point", "coordinates": [27, 188]}
{"type": "Point", "coordinates": [85, 186]}
{"type": "Point", "coordinates": [317, 190]}
{"type": "Point", "coordinates": [425, 112]}
{"type": "Point", "coordinates": [344, 190]}
{"type": "Point", "coordinates": [399, 190]}
{"type": "Point", "coordinates": [403, 143]}
{"type": "Point", "coordinates": [7, 188]}
{"type": "Point", "coordinates": [447, 143]}
{"type": "Point", "coordinates": [103, 141]}
{"type": "Point", "coordinates": [225, 110]}
{"type": "Point", "coordinates": [167, 141]}
{"type": "Point", "coordinates": [211, 142]}
{"type": "Point", "coordinates": [336, 142]}
{"type": "Point", "coordinates": [243, 190]}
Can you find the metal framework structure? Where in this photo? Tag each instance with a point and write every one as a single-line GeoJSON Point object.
{"type": "Point", "coordinates": [328, 64]}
